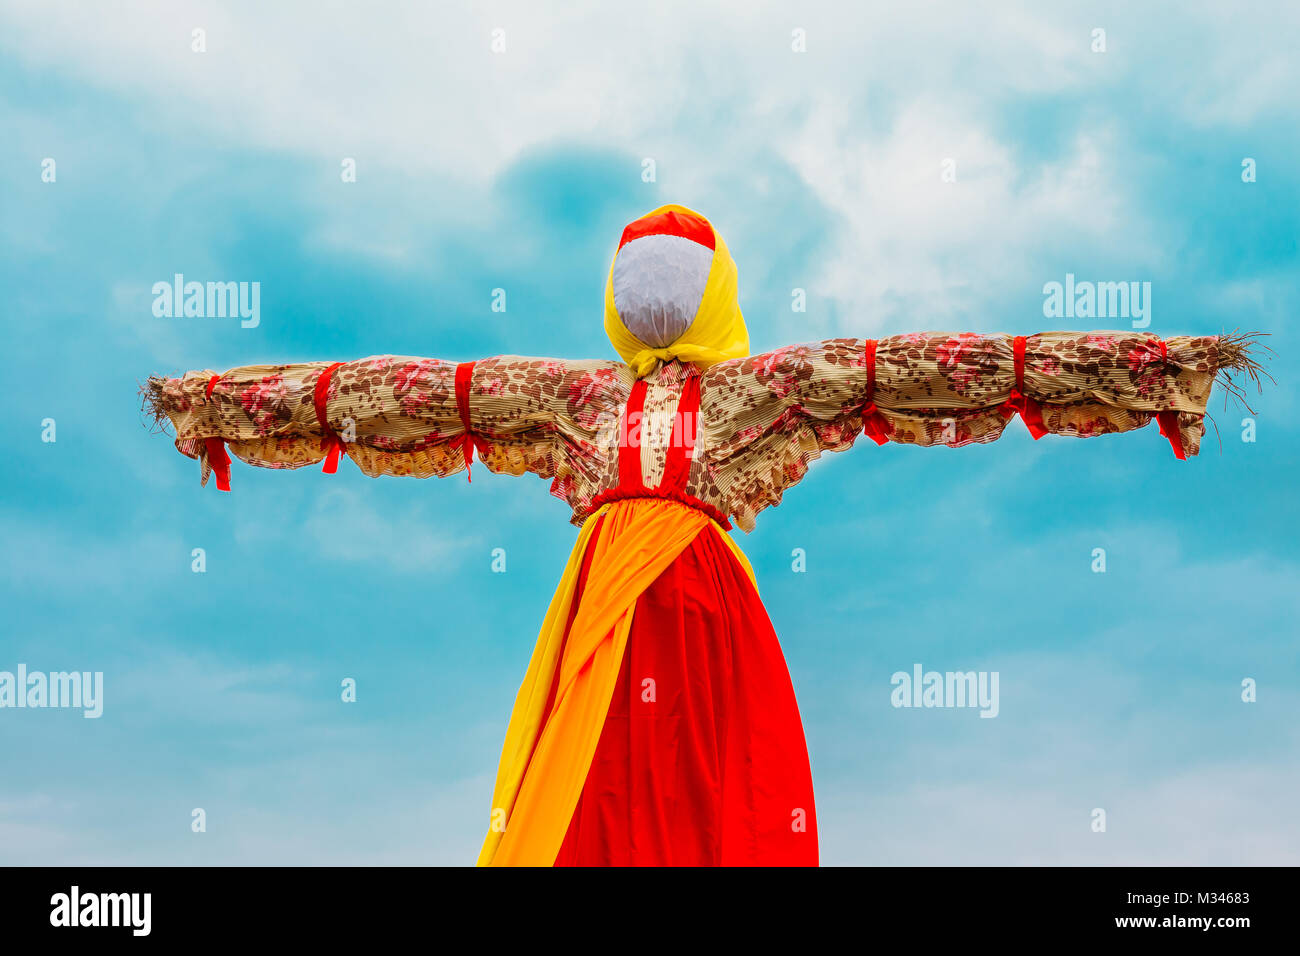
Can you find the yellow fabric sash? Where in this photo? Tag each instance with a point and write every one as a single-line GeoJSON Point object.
{"type": "Point", "coordinates": [545, 758]}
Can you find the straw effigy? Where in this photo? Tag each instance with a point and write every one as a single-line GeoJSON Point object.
{"type": "Point", "coordinates": [657, 455]}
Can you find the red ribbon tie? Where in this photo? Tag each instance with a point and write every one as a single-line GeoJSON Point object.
{"type": "Point", "coordinates": [1020, 403]}
{"type": "Point", "coordinates": [218, 459]}
{"type": "Point", "coordinates": [330, 441]}
{"type": "Point", "coordinates": [874, 424]}
{"type": "Point", "coordinates": [1168, 420]}
{"type": "Point", "coordinates": [466, 441]}
{"type": "Point", "coordinates": [1169, 428]}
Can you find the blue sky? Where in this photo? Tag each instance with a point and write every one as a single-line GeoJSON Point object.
{"type": "Point", "coordinates": [518, 170]}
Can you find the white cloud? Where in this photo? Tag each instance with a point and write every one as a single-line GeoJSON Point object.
{"type": "Point", "coordinates": [918, 252]}
{"type": "Point", "coordinates": [865, 116]}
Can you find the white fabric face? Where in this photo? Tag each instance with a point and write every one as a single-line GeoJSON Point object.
{"type": "Point", "coordinates": [658, 284]}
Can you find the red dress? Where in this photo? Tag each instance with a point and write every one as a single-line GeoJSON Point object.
{"type": "Point", "coordinates": [702, 759]}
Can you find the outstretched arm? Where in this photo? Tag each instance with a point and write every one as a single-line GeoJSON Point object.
{"type": "Point", "coordinates": [767, 417]}
{"type": "Point", "coordinates": [395, 415]}
{"type": "Point", "coordinates": [957, 388]}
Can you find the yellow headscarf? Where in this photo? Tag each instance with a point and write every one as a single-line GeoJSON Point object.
{"type": "Point", "coordinates": [717, 332]}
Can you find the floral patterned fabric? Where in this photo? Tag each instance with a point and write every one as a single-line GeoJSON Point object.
{"type": "Point", "coordinates": [762, 418]}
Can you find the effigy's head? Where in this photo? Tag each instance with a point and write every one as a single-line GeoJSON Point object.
{"type": "Point", "coordinates": [671, 293]}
